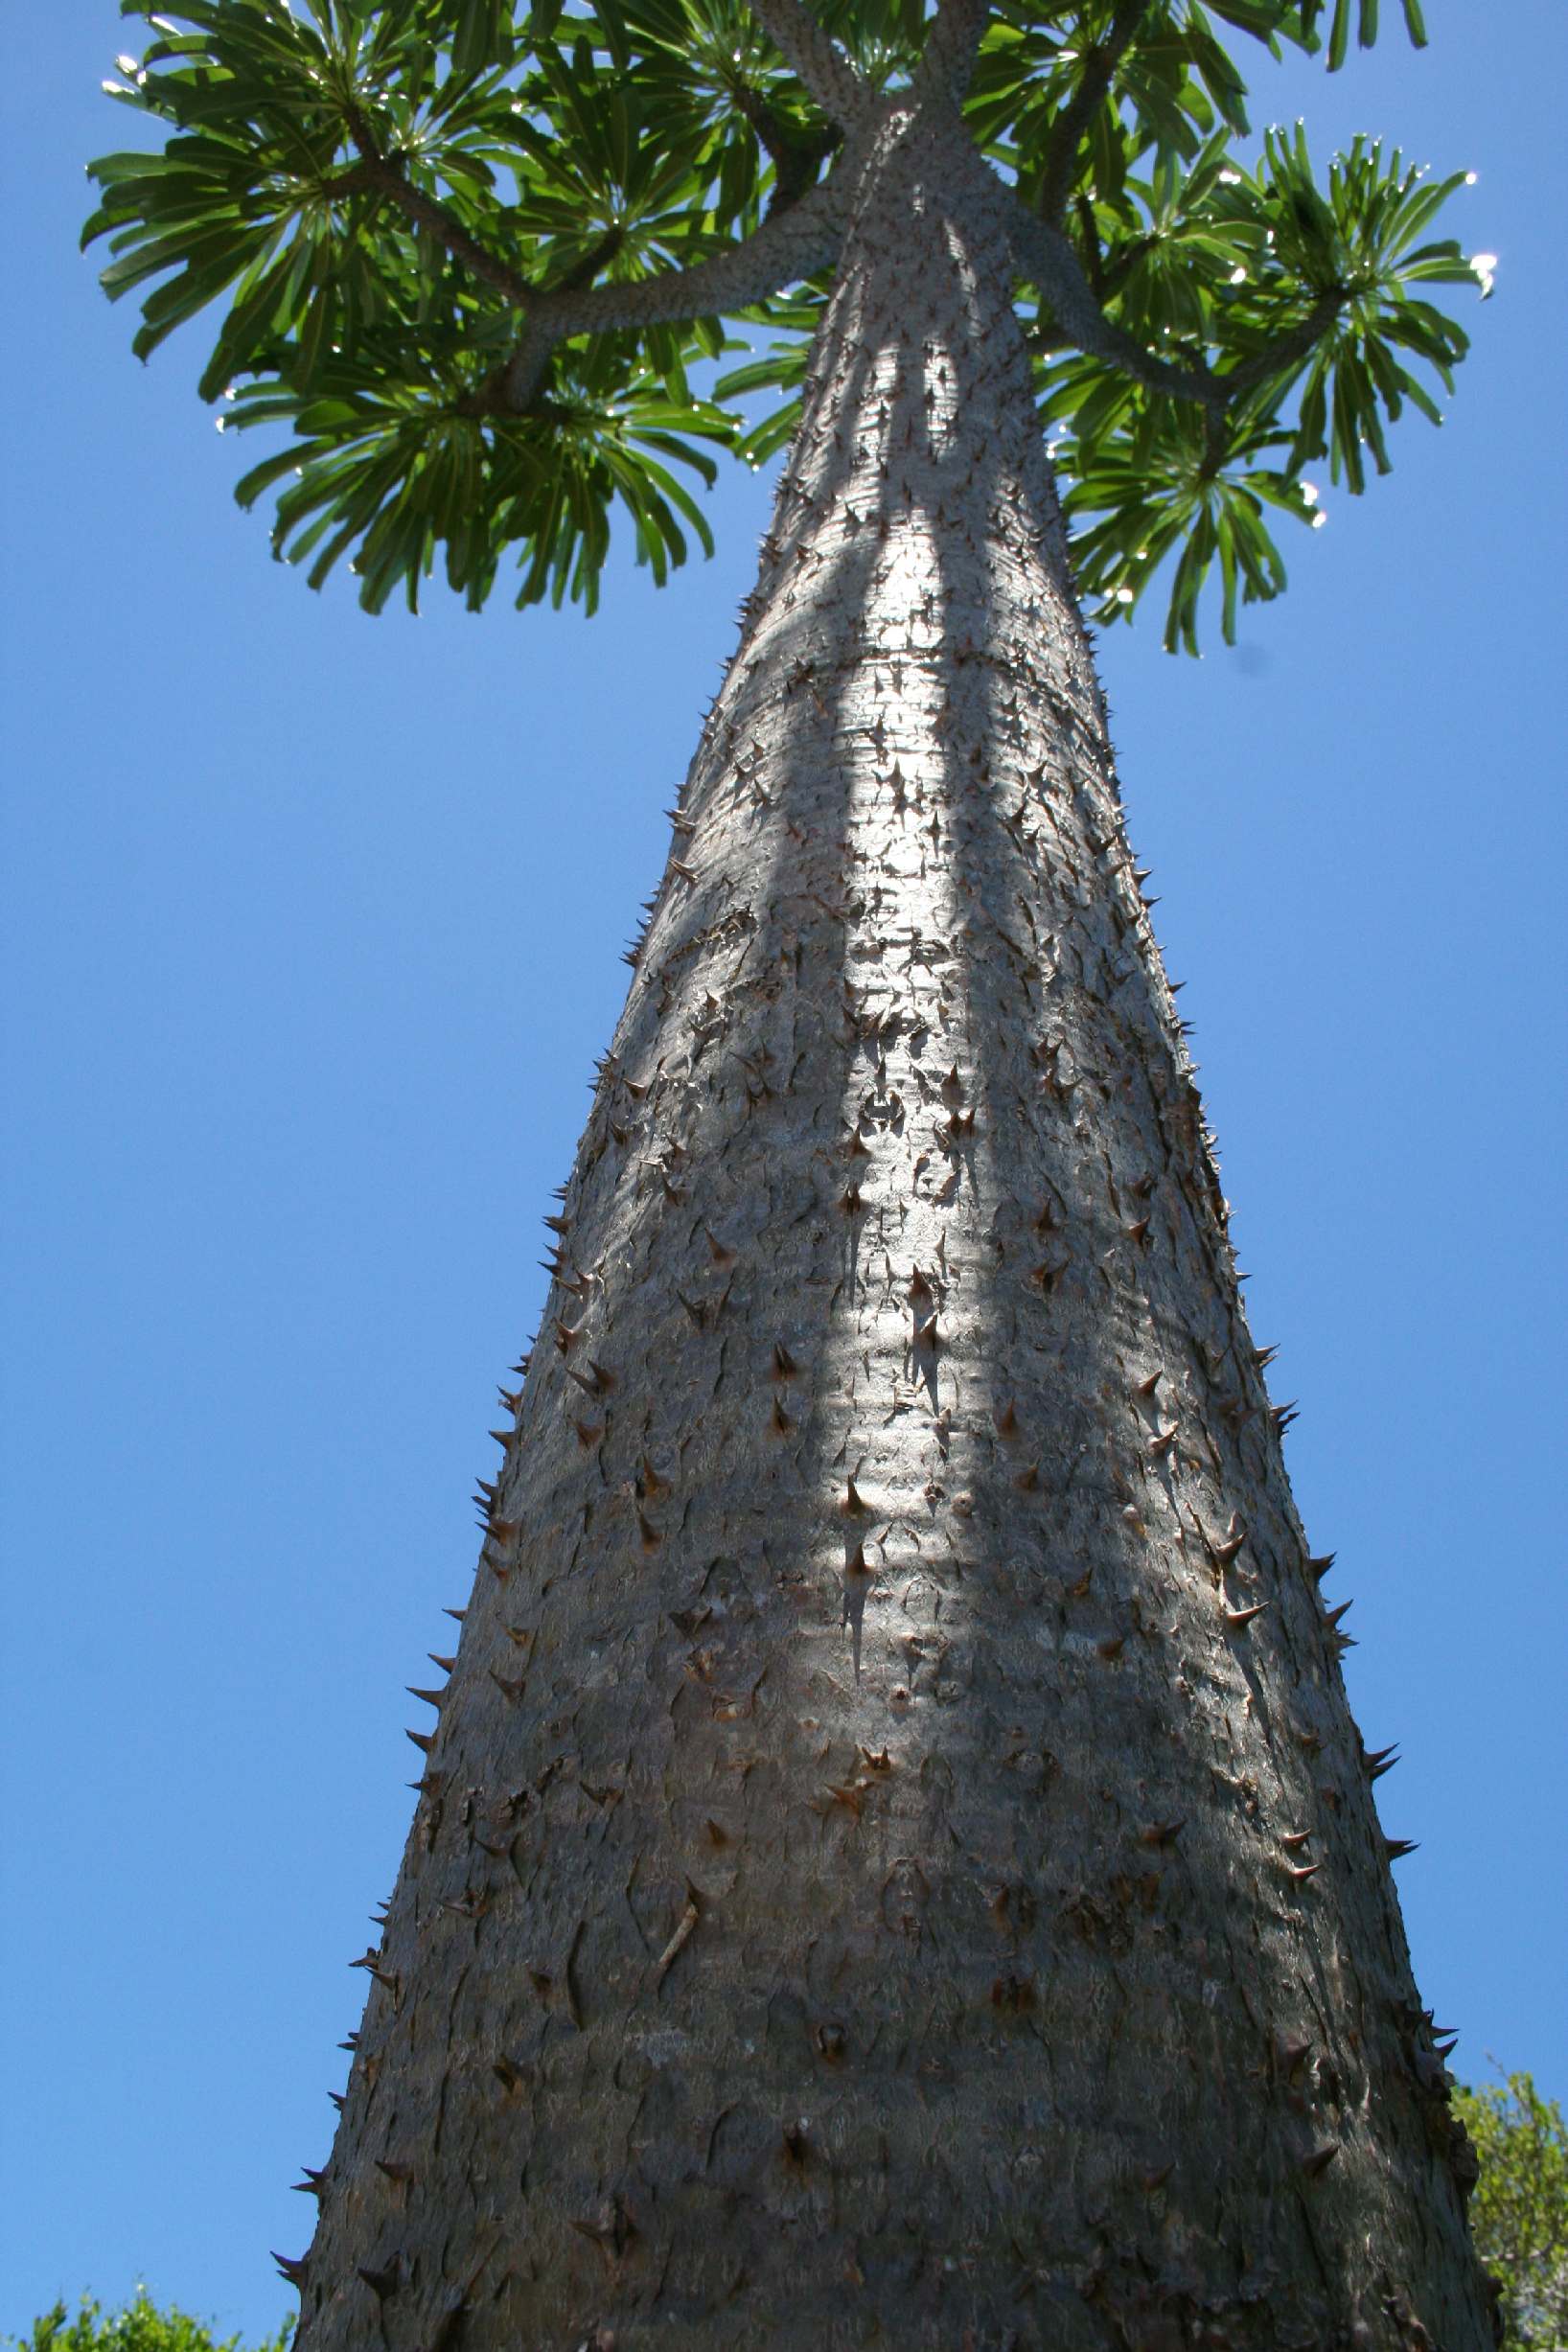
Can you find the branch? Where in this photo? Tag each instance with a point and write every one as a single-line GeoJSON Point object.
{"type": "Point", "coordinates": [789, 245]}
{"type": "Point", "coordinates": [381, 170]}
{"type": "Point", "coordinates": [1293, 344]}
{"type": "Point", "coordinates": [795, 155]}
{"type": "Point", "coordinates": [818, 61]}
{"type": "Point", "coordinates": [1075, 117]}
{"type": "Point", "coordinates": [1043, 254]}
{"type": "Point", "coordinates": [948, 59]}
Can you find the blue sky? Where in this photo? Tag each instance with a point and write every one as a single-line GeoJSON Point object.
{"type": "Point", "coordinates": [311, 929]}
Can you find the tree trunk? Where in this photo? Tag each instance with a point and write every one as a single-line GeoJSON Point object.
{"type": "Point", "coordinates": [895, 1864]}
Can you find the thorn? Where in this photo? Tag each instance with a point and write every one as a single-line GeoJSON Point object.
{"type": "Point", "coordinates": [510, 1691]}
{"type": "Point", "coordinates": [853, 1506]}
{"type": "Point", "coordinates": [445, 1664]}
{"type": "Point", "coordinates": [432, 1698]}
{"type": "Point", "coordinates": [588, 1433]}
{"type": "Point", "coordinates": [1301, 1871]}
{"type": "Point", "coordinates": [781, 1422]}
{"type": "Point", "coordinates": [1006, 1419]}
{"type": "Point", "coordinates": [1161, 1832]}
{"type": "Point", "coordinates": [291, 2266]}
{"type": "Point", "coordinates": [310, 2186]}
{"type": "Point", "coordinates": [651, 1483]}
{"type": "Point", "coordinates": [1320, 2158]}
{"type": "Point", "coordinates": [1146, 1388]}
{"type": "Point", "coordinates": [1379, 1761]}
{"type": "Point", "coordinates": [1027, 1481]}
{"type": "Point", "coordinates": [1161, 1444]}
{"type": "Point", "coordinates": [1235, 1619]}
{"type": "Point", "coordinates": [1397, 1847]}
{"type": "Point", "coordinates": [400, 2175]}
{"type": "Point", "coordinates": [919, 1288]}
{"type": "Point", "coordinates": [696, 1308]}
{"type": "Point", "coordinates": [1112, 1648]}
{"type": "Point", "coordinates": [717, 1250]}
{"type": "Point", "coordinates": [851, 1201]}
{"type": "Point", "coordinates": [459, 1614]}
{"type": "Point", "coordinates": [383, 2282]}
{"type": "Point", "coordinates": [650, 1536]}
{"type": "Point", "coordinates": [594, 1381]}
{"type": "Point", "coordinates": [1320, 1565]}
{"type": "Point", "coordinates": [677, 1942]}
{"type": "Point", "coordinates": [1293, 1840]}
{"type": "Point", "coordinates": [422, 1740]}
{"type": "Point", "coordinates": [1332, 1616]}
{"type": "Point", "coordinates": [785, 1366]}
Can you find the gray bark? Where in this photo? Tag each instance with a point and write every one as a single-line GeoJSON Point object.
{"type": "Point", "coordinates": [895, 1864]}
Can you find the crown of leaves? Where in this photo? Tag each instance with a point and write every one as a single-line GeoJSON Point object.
{"type": "Point", "coordinates": [483, 263]}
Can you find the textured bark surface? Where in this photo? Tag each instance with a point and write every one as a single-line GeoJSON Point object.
{"type": "Point", "coordinates": [895, 1864]}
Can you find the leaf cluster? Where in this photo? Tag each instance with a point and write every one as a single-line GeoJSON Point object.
{"type": "Point", "coordinates": [377, 197]}
{"type": "Point", "coordinates": [1305, 299]}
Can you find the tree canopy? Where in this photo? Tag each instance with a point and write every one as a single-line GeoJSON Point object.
{"type": "Point", "coordinates": [1519, 2212]}
{"type": "Point", "coordinates": [485, 263]}
{"type": "Point", "coordinates": [139, 2326]}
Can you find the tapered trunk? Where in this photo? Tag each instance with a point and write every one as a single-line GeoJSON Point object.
{"type": "Point", "coordinates": [895, 1864]}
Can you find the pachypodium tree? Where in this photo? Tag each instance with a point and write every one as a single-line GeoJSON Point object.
{"type": "Point", "coordinates": [893, 1862]}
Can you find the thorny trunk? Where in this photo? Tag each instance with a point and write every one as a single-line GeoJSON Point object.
{"type": "Point", "coordinates": [878, 1878]}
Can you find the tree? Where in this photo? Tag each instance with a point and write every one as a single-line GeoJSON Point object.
{"type": "Point", "coordinates": [1520, 2211]}
{"type": "Point", "coordinates": [139, 2327]}
{"type": "Point", "coordinates": [893, 1859]}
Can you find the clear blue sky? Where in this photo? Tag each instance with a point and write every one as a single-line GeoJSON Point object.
{"type": "Point", "coordinates": [312, 929]}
